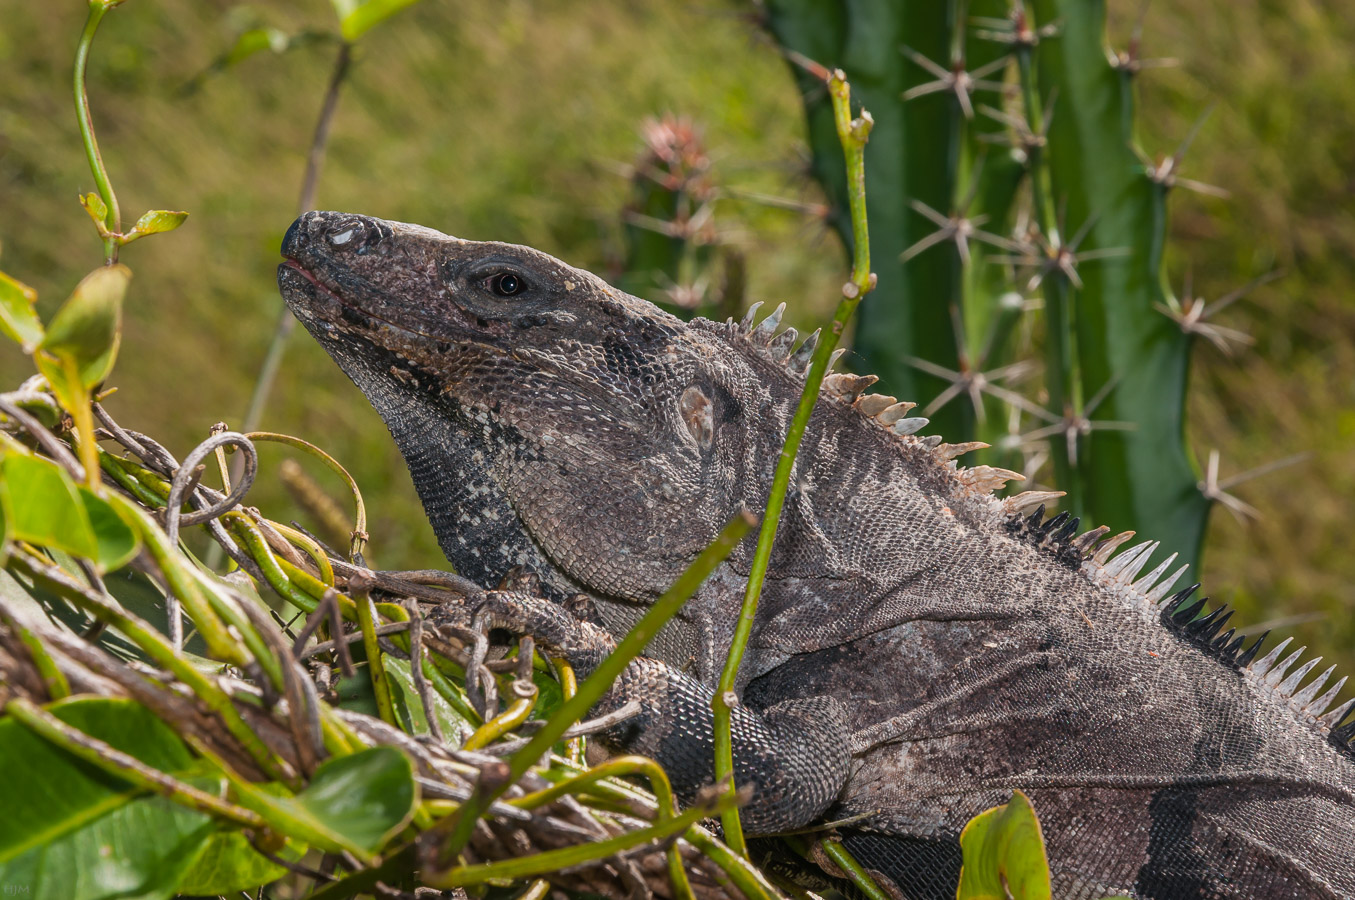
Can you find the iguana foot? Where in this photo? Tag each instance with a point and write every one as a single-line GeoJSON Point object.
{"type": "Point", "coordinates": [795, 754]}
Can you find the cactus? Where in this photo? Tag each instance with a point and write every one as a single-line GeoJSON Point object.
{"type": "Point", "coordinates": [669, 223]}
{"type": "Point", "coordinates": [1004, 177]}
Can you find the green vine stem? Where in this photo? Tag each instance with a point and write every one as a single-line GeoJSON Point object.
{"type": "Point", "coordinates": [56, 684]}
{"type": "Point", "coordinates": [160, 651]}
{"type": "Point", "coordinates": [624, 765]}
{"type": "Point", "coordinates": [358, 539]}
{"type": "Point", "coordinates": [113, 216]}
{"type": "Point", "coordinates": [567, 857]}
{"type": "Point", "coordinates": [460, 824]}
{"type": "Point", "coordinates": [834, 850]}
{"type": "Point", "coordinates": [853, 134]}
{"type": "Point", "coordinates": [512, 717]}
{"type": "Point", "coordinates": [359, 587]}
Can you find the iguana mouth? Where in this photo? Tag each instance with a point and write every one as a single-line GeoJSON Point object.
{"type": "Point", "coordinates": [311, 294]}
{"type": "Point", "coordinates": [350, 312]}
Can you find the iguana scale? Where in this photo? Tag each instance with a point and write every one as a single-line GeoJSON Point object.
{"type": "Point", "coordinates": [922, 647]}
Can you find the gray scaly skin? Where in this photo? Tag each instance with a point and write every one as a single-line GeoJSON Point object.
{"type": "Point", "coordinates": [922, 647]}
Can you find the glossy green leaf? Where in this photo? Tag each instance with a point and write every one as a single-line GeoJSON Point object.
{"type": "Point", "coordinates": [46, 506]}
{"type": "Point", "coordinates": [354, 803]}
{"type": "Point", "coordinates": [50, 794]}
{"type": "Point", "coordinates": [1004, 856]}
{"type": "Point", "coordinates": [18, 320]}
{"type": "Point", "coordinates": [87, 326]}
{"type": "Point", "coordinates": [228, 863]}
{"type": "Point", "coordinates": [139, 851]}
{"type": "Point", "coordinates": [357, 17]}
{"type": "Point", "coordinates": [410, 707]}
{"type": "Point", "coordinates": [116, 538]}
{"type": "Point", "coordinates": [549, 695]}
{"type": "Point", "coordinates": [364, 797]}
{"type": "Point", "coordinates": [156, 221]}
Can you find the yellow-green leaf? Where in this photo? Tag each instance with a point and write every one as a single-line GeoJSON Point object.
{"type": "Point", "coordinates": [1004, 856]}
{"type": "Point", "coordinates": [17, 317]}
{"type": "Point", "coordinates": [86, 328]}
{"type": "Point", "coordinates": [98, 211]}
{"type": "Point", "coordinates": [154, 222]}
{"type": "Point", "coordinates": [45, 506]}
{"type": "Point", "coordinates": [357, 17]}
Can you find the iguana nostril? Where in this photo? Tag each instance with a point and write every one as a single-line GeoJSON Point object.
{"type": "Point", "coordinates": [296, 238]}
{"type": "Point", "coordinates": [344, 236]}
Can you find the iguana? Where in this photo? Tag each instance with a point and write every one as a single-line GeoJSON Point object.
{"type": "Point", "coordinates": [922, 647]}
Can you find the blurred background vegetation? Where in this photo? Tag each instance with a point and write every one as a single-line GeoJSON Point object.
{"type": "Point", "coordinates": [516, 120]}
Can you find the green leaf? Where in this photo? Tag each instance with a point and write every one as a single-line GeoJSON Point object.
{"type": "Point", "coordinates": [98, 211]}
{"type": "Point", "coordinates": [229, 864]}
{"type": "Point", "coordinates": [410, 707]}
{"type": "Point", "coordinates": [357, 17]}
{"type": "Point", "coordinates": [139, 851]}
{"type": "Point", "coordinates": [155, 221]}
{"type": "Point", "coordinates": [18, 320]}
{"type": "Point", "coordinates": [251, 42]}
{"type": "Point", "coordinates": [49, 793]}
{"type": "Point", "coordinates": [118, 541]}
{"type": "Point", "coordinates": [549, 695]}
{"type": "Point", "coordinates": [86, 328]}
{"type": "Point", "coordinates": [1004, 856]}
{"type": "Point", "coordinates": [365, 797]}
{"type": "Point", "coordinates": [354, 803]}
{"type": "Point", "coordinates": [47, 508]}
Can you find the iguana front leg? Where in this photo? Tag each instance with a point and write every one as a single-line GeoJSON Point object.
{"type": "Point", "coordinates": [794, 755]}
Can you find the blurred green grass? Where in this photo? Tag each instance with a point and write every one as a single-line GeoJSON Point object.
{"type": "Point", "coordinates": [504, 120]}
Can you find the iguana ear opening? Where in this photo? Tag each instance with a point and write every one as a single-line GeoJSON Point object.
{"type": "Point", "coordinates": [695, 407]}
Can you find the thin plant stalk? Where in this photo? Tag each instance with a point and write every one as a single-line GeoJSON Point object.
{"type": "Point", "coordinates": [315, 159]}
{"type": "Point", "coordinates": [517, 712]}
{"type": "Point", "coordinates": [833, 848]}
{"type": "Point", "coordinates": [113, 216]}
{"type": "Point", "coordinates": [853, 134]}
{"type": "Point", "coordinates": [358, 537]}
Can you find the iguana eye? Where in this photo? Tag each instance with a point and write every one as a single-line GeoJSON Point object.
{"type": "Point", "coordinates": [506, 284]}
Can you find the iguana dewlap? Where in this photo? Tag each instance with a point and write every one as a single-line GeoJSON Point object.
{"type": "Point", "coordinates": [922, 648]}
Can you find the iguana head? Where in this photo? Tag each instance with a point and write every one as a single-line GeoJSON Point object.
{"type": "Point", "coordinates": [543, 413]}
